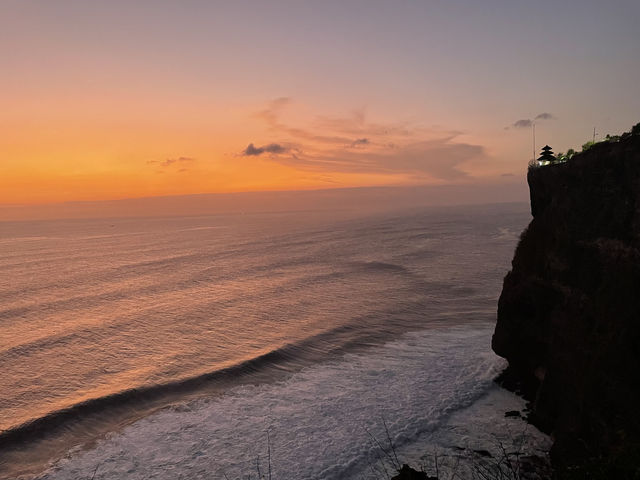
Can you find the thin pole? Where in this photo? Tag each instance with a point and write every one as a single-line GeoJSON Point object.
{"type": "Point", "coordinates": [594, 134]}
{"type": "Point", "coordinates": [534, 141]}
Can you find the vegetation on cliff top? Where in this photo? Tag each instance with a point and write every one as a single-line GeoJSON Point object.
{"type": "Point", "coordinates": [568, 155]}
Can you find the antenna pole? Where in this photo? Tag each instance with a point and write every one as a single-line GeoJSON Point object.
{"type": "Point", "coordinates": [594, 134]}
{"type": "Point", "coordinates": [534, 141]}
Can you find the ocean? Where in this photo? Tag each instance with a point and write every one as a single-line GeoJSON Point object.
{"type": "Point", "coordinates": [299, 343]}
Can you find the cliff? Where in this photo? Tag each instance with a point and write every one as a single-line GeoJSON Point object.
{"type": "Point", "coordinates": [569, 312]}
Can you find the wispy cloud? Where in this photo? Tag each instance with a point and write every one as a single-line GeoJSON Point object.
{"type": "Point", "coordinates": [528, 123]}
{"type": "Point", "coordinates": [253, 151]}
{"type": "Point", "coordinates": [524, 123]}
{"type": "Point", "coordinates": [360, 141]}
{"type": "Point", "coordinates": [545, 116]}
{"type": "Point", "coordinates": [438, 159]}
{"type": "Point", "coordinates": [171, 161]}
{"type": "Point", "coordinates": [353, 144]}
{"type": "Point", "coordinates": [358, 125]}
{"type": "Point", "coordinates": [270, 114]}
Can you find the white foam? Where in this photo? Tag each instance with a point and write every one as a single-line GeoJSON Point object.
{"type": "Point", "coordinates": [318, 420]}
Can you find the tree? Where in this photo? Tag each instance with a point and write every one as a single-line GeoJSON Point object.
{"type": "Point", "coordinates": [588, 145]}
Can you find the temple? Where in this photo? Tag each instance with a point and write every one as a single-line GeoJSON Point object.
{"type": "Point", "coordinates": [546, 157]}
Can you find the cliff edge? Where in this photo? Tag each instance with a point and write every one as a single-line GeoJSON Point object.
{"type": "Point", "coordinates": [569, 312]}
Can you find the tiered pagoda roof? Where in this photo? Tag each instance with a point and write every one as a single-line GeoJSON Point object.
{"type": "Point", "coordinates": [547, 155]}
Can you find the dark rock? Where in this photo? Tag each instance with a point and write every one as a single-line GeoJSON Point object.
{"type": "Point", "coordinates": [534, 466]}
{"type": "Point", "coordinates": [408, 473]}
{"type": "Point", "coordinates": [569, 312]}
{"type": "Point", "coordinates": [483, 453]}
{"type": "Point", "coordinates": [512, 413]}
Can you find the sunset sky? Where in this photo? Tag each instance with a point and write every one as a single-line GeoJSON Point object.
{"type": "Point", "coordinates": [126, 99]}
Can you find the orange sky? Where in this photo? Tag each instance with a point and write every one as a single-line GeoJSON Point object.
{"type": "Point", "coordinates": [122, 99]}
{"type": "Point", "coordinates": [83, 150]}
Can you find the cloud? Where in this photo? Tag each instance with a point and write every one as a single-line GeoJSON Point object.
{"type": "Point", "coordinates": [439, 159]}
{"type": "Point", "coordinates": [524, 123]}
{"type": "Point", "coordinates": [352, 144]}
{"type": "Point", "coordinates": [527, 122]}
{"type": "Point", "coordinates": [175, 162]}
{"type": "Point", "coordinates": [275, 148]}
{"type": "Point", "coordinates": [360, 141]}
{"type": "Point", "coordinates": [357, 125]}
{"type": "Point", "coordinates": [270, 114]}
{"type": "Point", "coordinates": [330, 130]}
{"type": "Point", "coordinates": [171, 161]}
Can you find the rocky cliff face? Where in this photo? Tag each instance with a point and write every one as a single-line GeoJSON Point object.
{"type": "Point", "coordinates": [569, 313]}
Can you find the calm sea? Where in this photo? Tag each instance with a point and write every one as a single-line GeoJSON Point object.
{"type": "Point", "coordinates": [199, 347]}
